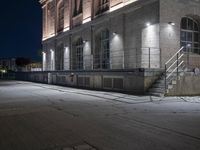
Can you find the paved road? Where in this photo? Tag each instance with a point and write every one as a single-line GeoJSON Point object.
{"type": "Point", "coordinates": [43, 117]}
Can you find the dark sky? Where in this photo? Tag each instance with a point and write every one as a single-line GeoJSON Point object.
{"type": "Point", "coordinates": [20, 28]}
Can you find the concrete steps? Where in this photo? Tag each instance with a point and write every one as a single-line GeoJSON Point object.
{"type": "Point", "coordinates": [158, 88]}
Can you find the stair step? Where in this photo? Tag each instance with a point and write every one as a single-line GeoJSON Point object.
{"type": "Point", "coordinates": [157, 89]}
{"type": "Point", "coordinates": [158, 86]}
{"type": "Point", "coordinates": [156, 94]}
{"type": "Point", "coordinates": [161, 82]}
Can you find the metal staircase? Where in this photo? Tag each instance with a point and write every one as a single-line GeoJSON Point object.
{"type": "Point", "coordinates": [174, 69]}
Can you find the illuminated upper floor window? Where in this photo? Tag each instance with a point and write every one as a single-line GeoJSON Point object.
{"type": "Point", "coordinates": [77, 7]}
{"type": "Point", "coordinates": [103, 5]}
{"type": "Point", "coordinates": [60, 21]}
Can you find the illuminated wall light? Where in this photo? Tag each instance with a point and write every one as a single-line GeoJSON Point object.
{"type": "Point", "coordinates": [3, 71]}
{"type": "Point", "coordinates": [148, 24]}
{"type": "Point", "coordinates": [189, 45]}
{"type": "Point", "coordinates": [85, 41]}
{"type": "Point", "coordinates": [171, 23]}
{"type": "Point", "coordinates": [114, 33]}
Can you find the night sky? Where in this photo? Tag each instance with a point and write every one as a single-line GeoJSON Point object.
{"type": "Point", "coordinates": [20, 29]}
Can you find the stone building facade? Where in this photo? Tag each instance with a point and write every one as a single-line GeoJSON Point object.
{"type": "Point", "coordinates": [118, 35]}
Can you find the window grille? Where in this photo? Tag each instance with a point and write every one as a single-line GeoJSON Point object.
{"type": "Point", "coordinates": [190, 35]}
{"type": "Point", "coordinates": [77, 57]}
{"type": "Point", "coordinates": [102, 50]}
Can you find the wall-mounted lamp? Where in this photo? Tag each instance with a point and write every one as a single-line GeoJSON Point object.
{"type": "Point", "coordinates": [114, 33]}
{"type": "Point", "coordinates": [171, 23]}
{"type": "Point", "coordinates": [189, 45]}
{"type": "Point", "coordinates": [148, 24]}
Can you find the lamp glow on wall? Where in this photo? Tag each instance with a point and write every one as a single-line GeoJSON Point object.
{"type": "Point", "coordinates": [44, 60]}
{"type": "Point", "coordinates": [52, 59]}
{"type": "Point", "coordinates": [85, 41]}
{"type": "Point", "coordinates": [66, 58]}
{"type": "Point", "coordinates": [171, 23]}
{"type": "Point", "coordinates": [114, 33]}
{"type": "Point", "coordinates": [148, 24]}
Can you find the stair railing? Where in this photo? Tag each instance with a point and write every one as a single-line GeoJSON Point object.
{"type": "Point", "coordinates": [172, 66]}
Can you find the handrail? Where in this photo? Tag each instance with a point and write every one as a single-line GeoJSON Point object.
{"type": "Point", "coordinates": [175, 62]}
{"type": "Point", "coordinates": [174, 55]}
{"type": "Point", "coordinates": [178, 56]}
{"type": "Point", "coordinates": [175, 69]}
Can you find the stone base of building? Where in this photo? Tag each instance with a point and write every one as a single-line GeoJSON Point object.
{"type": "Point", "coordinates": [187, 85]}
{"type": "Point", "coordinates": [134, 81]}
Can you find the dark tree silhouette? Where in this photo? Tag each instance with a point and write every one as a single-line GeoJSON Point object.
{"type": "Point", "coordinates": [22, 62]}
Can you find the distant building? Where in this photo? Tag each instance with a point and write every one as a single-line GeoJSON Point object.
{"type": "Point", "coordinates": [8, 64]}
{"type": "Point", "coordinates": [110, 35]}
{"type": "Point", "coordinates": [34, 66]}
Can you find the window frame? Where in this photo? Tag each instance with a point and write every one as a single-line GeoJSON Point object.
{"type": "Point", "coordinates": [60, 16]}
{"type": "Point", "coordinates": [102, 54]}
{"type": "Point", "coordinates": [102, 7]}
{"type": "Point", "coordinates": [76, 11]}
{"type": "Point", "coordinates": [188, 35]}
{"type": "Point", "coordinates": [78, 56]}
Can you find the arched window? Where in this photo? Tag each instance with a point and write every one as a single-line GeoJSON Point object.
{"type": "Point", "coordinates": [77, 55]}
{"type": "Point", "coordinates": [102, 50]}
{"type": "Point", "coordinates": [190, 35]}
{"type": "Point", "coordinates": [60, 21]}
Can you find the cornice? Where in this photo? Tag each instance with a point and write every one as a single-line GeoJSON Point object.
{"type": "Point", "coordinates": [44, 1]}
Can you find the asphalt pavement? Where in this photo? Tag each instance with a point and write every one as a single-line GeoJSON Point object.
{"type": "Point", "coordinates": [48, 117]}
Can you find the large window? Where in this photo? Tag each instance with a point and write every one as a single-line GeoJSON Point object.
{"type": "Point", "coordinates": [60, 26]}
{"type": "Point", "coordinates": [190, 35]}
{"type": "Point", "coordinates": [77, 55]}
{"type": "Point", "coordinates": [60, 57]}
{"type": "Point", "coordinates": [102, 50]}
{"type": "Point", "coordinates": [78, 7]}
{"type": "Point", "coordinates": [103, 5]}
